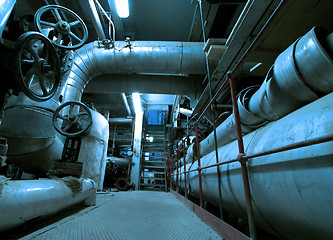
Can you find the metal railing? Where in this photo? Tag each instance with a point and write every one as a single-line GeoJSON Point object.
{"type": "Point", "coordinates": [242, 157]}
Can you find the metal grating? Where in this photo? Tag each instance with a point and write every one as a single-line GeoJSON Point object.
{"type": "Point", "coordinates": [130, 215]}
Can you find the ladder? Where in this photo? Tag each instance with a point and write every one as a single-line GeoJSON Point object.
{"type": "Point", "coordinates": [152, 175]}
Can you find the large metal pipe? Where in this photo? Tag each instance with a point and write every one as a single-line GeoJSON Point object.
{"type": "Point", "coordinates": [296, 182]}
{"type": "Point", "coordinates": [283, 90]}
{"type": "Point", "coordinates": [93, 60]}
{"type": "Point", "coordinates": [6, 8]}
{"type": "Point", "coordinates": [24, 200]}
{"type": "Point", "coordinates": [33, 143]}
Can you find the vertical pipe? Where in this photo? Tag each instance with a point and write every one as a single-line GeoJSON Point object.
{"type": "Point", "coordinates": [199, 164]}
{"type": "Point", "coordinates": [243, 163]}
{"type": "Point", "coordinates": [166, 166]}
{"type": "Point", "coordinates": [128, 109]}
{"type": "Point", "coordinates": [96, 20]}
{"type": "Point", "coordinates": [166, 172]}
{"type": "Point", "coordinates": [177, 178]}
{"type": "Point", "coordinates": [173, 181]}
{"type": "Point", "coordinates": [184, 153]}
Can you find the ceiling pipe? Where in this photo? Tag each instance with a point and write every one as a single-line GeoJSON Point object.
{"type": "Point", "coordinates": [92, 60]}
{"type": "Point", "coordinates": [128, 109]}
{"type": "Point", "coordinates": [96, 20]}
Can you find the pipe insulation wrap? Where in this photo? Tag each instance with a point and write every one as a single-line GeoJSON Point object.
{"type": "Point", "coordinates": [296, 182]}
{"type": "Point", "coordinates": [147, 57]}
{"type": "Point", "coordinates": [24, 200]}
{"type": "Point", "coordinates": [286, 88]}
{"type": "Point", "coordinates": [33, 143]}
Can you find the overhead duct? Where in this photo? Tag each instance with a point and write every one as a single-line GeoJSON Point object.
{"type": "Point", "coordinates": [144, 57]}
{"type": "Point", "coordinates": [296, 182]}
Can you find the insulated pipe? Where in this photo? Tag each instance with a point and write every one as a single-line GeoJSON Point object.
{"type": "Point", "coordinates": [121, 120]}
{"type": "Point", "coordinates": [33, 143]}
{"type": "Point", "coordinates": [284, 88]}
{"type": "Point", "coordinates": [92, 60]}
{"type": "Point", "coordinates": [6, 8]}
{"type": "Point", "coordinates": [96, 20]}
{"type": "Point", "coordinates": [296, 182]}
{"type": "Point", "coordinates": [24, 200]}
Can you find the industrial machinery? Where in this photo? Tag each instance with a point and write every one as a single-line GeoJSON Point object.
{"type": "Point", "coordinates": [117, 173]}
{"type": "Point", "coordinates": [40, 62]}
{"type": "Point", "coordinates": [290, 193]}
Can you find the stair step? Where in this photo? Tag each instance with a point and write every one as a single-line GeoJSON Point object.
{"type": "Point", "coordinates": [154, 167]}
{"type": "Point", "coordinates": [154, 162]}
{"type": "Point", "coordinates": [153, 178]}
{"type": "Point", "coordinates": [151, 185]}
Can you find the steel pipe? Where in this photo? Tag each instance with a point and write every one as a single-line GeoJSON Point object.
{"type": "Point", "coordinates": [24, 200]}
{"type": "Point", "coordinates": [303, 175]}
{"type": "Point", "coordinates": [92, 60]}
{"type": "Point", "coordinates": [6, 8]}
{"type": "Point", "coordinates": [96, 20]}
{"type": "Point", "coordinates": [313, 50]}
{"type": "Point", "coordinates": [128, 109]}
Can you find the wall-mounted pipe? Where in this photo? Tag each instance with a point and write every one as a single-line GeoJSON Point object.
{"type": "Point", "coordinates": [92, 60]}
{"type": "Point", "coordinates": [291, 190]}
{"type": "Point", "coordinates": [284, 88]}
{"type": "Point", "coordinates": [24, 200]}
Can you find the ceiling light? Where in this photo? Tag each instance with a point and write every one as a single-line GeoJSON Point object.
{"type": "Point", "coordinates": [122, 8]}
{"type": "Point", "coordinates": [137, 103]}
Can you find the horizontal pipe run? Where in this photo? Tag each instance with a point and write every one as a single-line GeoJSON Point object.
{"type": "Point", "coordinates": [306, 143]}
{"type": "Point", "coordinates": [23, 200]}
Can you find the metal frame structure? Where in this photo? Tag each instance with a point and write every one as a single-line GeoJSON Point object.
{"type": "Point", "coordinates": [217, 224]}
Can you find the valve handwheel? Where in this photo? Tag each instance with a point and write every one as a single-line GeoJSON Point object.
{"type": "Point", "coordinates": [62, 26]}
{"type": "Point", "coordinates": [72, 119]}
{"type": "Point", "coordinates": [37, 66]}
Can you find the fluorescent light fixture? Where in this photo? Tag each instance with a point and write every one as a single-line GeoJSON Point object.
{"type": "Point", "coordinates": [122, 8]}
{"type": "Point", "coordinates": [137, 103]}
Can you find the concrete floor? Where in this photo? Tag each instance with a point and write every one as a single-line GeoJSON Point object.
{"type": "Point", "coordinates": [130, 215]}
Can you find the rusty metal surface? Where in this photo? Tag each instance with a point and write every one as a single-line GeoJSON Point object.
{"type": "Point", "coordinates": [222, 228]}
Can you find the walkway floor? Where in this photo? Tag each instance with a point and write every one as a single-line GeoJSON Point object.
{"type": "Point", "coordinates": [130, 215]}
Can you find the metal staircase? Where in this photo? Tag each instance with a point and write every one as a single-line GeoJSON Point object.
{"type": "Point", "coordinates": [152, 175]}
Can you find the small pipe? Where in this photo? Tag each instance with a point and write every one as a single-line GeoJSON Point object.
{"type": "Point", "coordinates": [129, 112]}
{"type": "Point", "coordinates": [96, 20]}
{"type": "Point", "coordinates": [184, 150]}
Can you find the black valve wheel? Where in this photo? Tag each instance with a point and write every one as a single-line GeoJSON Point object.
{"type": "Point", "coordinates": [72, 119]}
{"type": "Point", "coordinates": [62, 26]}
{"type": "Point", "coordinates": [37, 66]}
